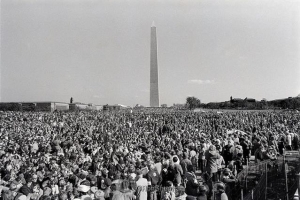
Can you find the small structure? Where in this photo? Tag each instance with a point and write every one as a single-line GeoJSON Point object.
{"type": "Point", "coordinates": [79, 106]}
{"type": "Point", "coordinates": [115, 107]}
{"type": "Point", "coordinates": [46, 106]}
{"type": "Point", "coordinates": [237, 100]}
{"type": "Point", "coordinates": [250, 100]}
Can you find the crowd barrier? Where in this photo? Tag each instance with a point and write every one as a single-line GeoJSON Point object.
{"type": "Point", "coordinates": [267, 180]}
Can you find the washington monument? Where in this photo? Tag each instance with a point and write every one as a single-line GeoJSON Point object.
{"type": "Point", "coordinates": [154, 94]}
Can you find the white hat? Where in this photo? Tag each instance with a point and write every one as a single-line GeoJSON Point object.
{"type": "Point", "coordinates": [83, 188]}
{"type": "Point", "coordinates": [22, 197]}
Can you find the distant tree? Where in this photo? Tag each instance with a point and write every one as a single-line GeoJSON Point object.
{"type": "Point", "coordinates": [193, 102]}
{"type": "Point", "coordinates": [71, 100]}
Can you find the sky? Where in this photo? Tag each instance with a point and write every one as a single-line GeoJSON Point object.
{"type": "Point", "coordinates": [98, 51]}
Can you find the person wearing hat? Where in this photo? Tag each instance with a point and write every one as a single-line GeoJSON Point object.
{"type": "Point", "coordinates": [84, 188]}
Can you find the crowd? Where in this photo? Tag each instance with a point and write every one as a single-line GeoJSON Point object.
{"type": "Point", "coordinates": [136, 154]}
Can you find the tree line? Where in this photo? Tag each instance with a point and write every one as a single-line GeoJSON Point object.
{"type": "Point", "coordinates": [288, 103]}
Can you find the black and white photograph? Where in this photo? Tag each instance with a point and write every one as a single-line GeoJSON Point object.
{"type": "Point", "coordinates": [150, 100]}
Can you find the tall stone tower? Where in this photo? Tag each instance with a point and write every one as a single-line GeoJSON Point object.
{"type": "Point", "coordinates": [154, 93]}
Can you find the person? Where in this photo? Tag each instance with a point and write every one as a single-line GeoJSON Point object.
{"type": "Point", "coordinates": [192, 185]}
{"type": "Point", "coordinates": [288, 141]}
{"type": "Point", "coordinates": [168, 192]}
{"type": "Point", "coordinates": [238, 162]}
{"type": "Point", "coordinates": [238, 149]}
{"type": "Point", "coordinates": [259, 154]}
{"type": "Point", "coordinates": [142, 186]}
{"type": "Point", "coordinates": [256, 144]}
{"type": "Point", "coordinates": [230, 181]}
{"type": "Point", "coordinates": [98, 195]}
{"type": "Point", "coordinates": [220, 194]}
{"type": "Point", "coordinates": [175, 170]}
{"type": "Point", "coordinates": [228, 152]}
{"type": "Point", "coordinates": [185, 162]}
{"type": "Point", "coordinates": [202, 192]}
{"type": "Point", "coordinates": [212, 156]}
{"type": "Point", "coordinates": [125, 193]}
{"type": "Point", "coordinates": [221, 166]}
{"type": "Point", "coordinates": [271, 153]}
{"type": "Point", "coordinates": [296, 142]}
{"type": "Point", "coordinates": [246, 145]}
{"type": "Point", "coordinates": [201, 158]}
{"type": "Point", "coordinates": [154, 180]}
{"type": "Point", "coordinates": [281, 146]}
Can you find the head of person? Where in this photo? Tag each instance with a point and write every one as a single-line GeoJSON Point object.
{"type": "Point", "coordinates": [227, 172]}
{"type": "Point", "coordinates": [203, 189]}
{"type": "Point", "coordinates": [185, 155]}
{"type": "Point", "coordinates": [125, 184]}
{"type": "Point", "coordinates": [175, 159]}
{"type": "Point", "coordinates": [34, 178]}
{"type": "Point", "coordinates": [13, 185]}
{"type": "Point", "coordinates": [99, 195]}
{"type": "Point", "coordinates": [169, 184]}
{"type": "Point", "coordinates": [220, 187]}
{"type": "Point", "coordinates": [139, 174]}
{"type": "Point", "coordinates": [212, 148]}
{"type": "Point", "coordinates": [47, 191]}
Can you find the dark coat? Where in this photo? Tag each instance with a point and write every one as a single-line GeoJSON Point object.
{"type": "Point", "coordinates": [212, 157]}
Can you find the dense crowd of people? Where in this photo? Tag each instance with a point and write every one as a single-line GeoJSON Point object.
{"type": "Point", "coordinates": [144, 154]}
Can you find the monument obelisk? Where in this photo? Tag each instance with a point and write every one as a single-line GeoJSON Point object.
{"type": "Point", "coordinates": [154, 94]}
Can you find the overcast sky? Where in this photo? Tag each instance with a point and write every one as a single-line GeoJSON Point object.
{"type": "Point", "coordinates": [98, 51]}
